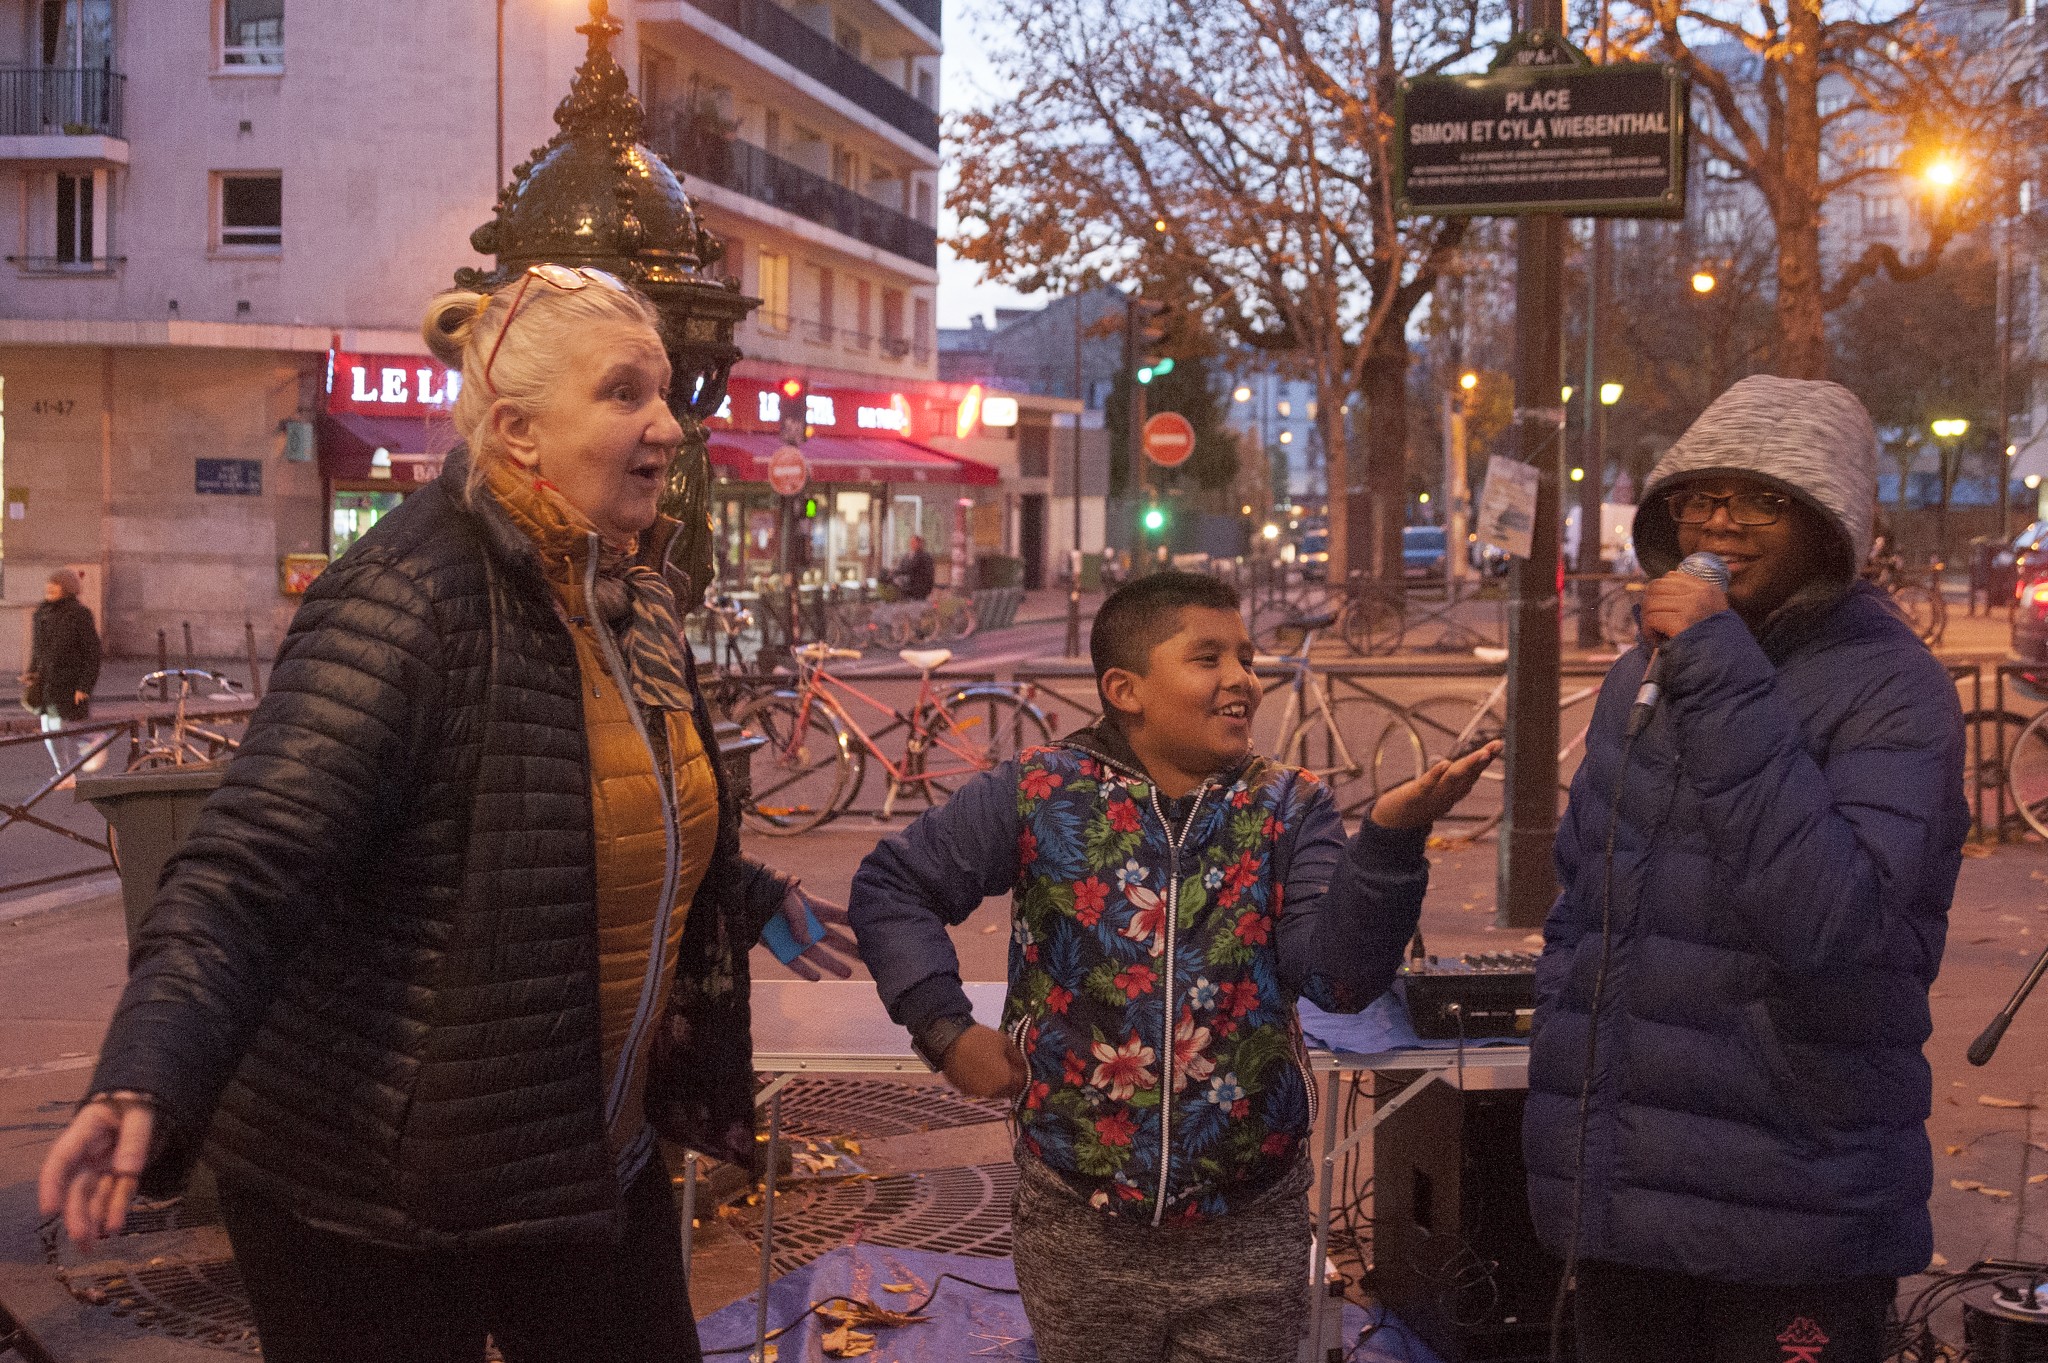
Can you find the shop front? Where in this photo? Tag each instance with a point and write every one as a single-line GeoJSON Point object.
{"type": "Point", "coordinates": [871, 486]}
{"type": "Point", "coordinates": [383, 434]}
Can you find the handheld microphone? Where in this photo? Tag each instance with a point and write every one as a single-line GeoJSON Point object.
{"type": "Point", "coordinates": [1707, 568]}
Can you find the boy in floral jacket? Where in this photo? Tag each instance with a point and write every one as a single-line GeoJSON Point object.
{"type": "Point", "coordinates": [1174, 894]}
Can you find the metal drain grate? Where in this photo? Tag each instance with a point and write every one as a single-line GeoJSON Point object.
{"type": "Point", "coordinates": [866, 1108]}
{"type": "Point", "coordinates": [947, 1211]}
{"type": "Point", "coordinates": [154, 1218]}
{"type": "Point", "coordinates": [200, 1299]}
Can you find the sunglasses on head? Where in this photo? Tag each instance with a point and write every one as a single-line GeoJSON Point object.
{"type": "Point", "coordinates": [1744, 508]}
{"type": "Point", "coordinates": [567, 278]}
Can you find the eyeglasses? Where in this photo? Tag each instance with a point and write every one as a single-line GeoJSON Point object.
{"type": "Point", "coordinates": [568, 279]}
{"type": "Point", "coordinates": [1744, 508]}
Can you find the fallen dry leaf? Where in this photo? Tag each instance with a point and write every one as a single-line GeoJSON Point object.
{"type": "Point", "coordinates": [2042, 1146]}
{"type": "Point", "coordinates": [1938, 1261]}
{"type": "Point", "coordinates": [1966, 1185]}
{"type": "Point", "coordinates": [1987, 1100]}
{"type": "Point", "coordinates": [1994, 1192]}
{"type": "Point", "coordinates": [992, 927]}
{"type": "Point", "coordinates": [2039, 1178]}
{"type": "Point", "coordinates": [846, 1342]}
{"type": "Point", "coordinates": [1953, 1150]}
{"type": "Point", "coordinates": [1976, 849]}
{"type": "Point", "coordinates": [1955, 1083]}
{"type": "Point", "coordinates": [899, 1287]}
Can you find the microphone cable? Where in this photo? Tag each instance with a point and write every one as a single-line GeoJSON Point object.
{"type": "Point", "coordinates": [1568, 1280]}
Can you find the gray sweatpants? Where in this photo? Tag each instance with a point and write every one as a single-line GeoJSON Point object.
{"type": "Point", "coordinates": [1107, 1289]}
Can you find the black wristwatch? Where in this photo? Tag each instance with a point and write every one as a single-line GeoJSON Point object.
{"type": "Point", "coordinates": [935, 1038]}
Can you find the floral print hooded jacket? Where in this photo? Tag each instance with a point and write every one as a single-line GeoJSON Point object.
{"type": "Point", "coordinates": [1157, 950]}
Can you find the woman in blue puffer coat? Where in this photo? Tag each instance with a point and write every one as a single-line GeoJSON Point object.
{"type": "Point", "coordinates": [1726, 1121]}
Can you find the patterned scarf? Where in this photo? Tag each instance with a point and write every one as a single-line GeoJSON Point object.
{"type": "Point", "coordinates": [632, 597]}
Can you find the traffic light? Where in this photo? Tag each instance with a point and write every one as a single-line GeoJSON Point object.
{"type": "Point", "coordinates": [1143, 332]}
{"type": "Point", "coordinates": [810, 508]}
{"type": "Point", "coordinates": [1155, 519]}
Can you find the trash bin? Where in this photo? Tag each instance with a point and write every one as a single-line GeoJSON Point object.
{"type": "Point", "coordinates": [148, 815]}
{"type": "Point", "coordinates": [998, 570]}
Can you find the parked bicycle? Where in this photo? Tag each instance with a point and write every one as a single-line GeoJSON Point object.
{"type": "Point", "coordinates": [1918, 598]}
{"type": "Point", "coordinates": [1452, 724]}
{"type": "Point", "coordinates": [187, 742]}
{"type": "Point", "coordinates": [815, 761]}
{"type": "Point", "coordinates": [1356, 743]}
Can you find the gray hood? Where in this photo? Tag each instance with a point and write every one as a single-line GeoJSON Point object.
{"type": "Point", "coordinates": [1809, 438]}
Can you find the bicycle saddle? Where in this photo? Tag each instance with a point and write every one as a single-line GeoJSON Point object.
{"type": "Point", "coordinates": [1323, 621]}
{"type": "Point", "coordinates": [926, 659]}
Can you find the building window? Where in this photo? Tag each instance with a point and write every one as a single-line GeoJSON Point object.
{"type": "Point", "coordinates": [1034, 451]}
{"type": "Point", "coordinates": [1880, 214]}
{"type": "Point", "coordinates": [251, 35]}
{"type": "Point", "coordinates": [863, 309]}
{"type": "Point", "coordinates": [76, 219]}
{"type": "Point", "coordinates": [825, 286]}
{"type": "Point", "coordinates": [68, 223]}
{"type": "Point", "coordinates": [251, 213]}
{"type": "Point", "coordinates": [921, 328]}
{"type": "Point", "coordinates": [774, 287]}
{"type": "Point", "coordinates": [894, 343]}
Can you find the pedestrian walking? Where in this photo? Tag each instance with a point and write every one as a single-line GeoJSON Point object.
{"type": "Point", "coordinates": [467, 923]}
{"type": "Point", "coordinates": [1174, 895]}
{"type": "Point", "coordinates": [63, 664]}
{"type": "Point", "coordinates": [1726, 1130]}
{"type": "Point", "coordinates": [915, 574]}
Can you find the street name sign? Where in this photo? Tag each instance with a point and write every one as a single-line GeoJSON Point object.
{"type": "Point", "coordinates": [1169, 438]}
{"type": "Point", "coordinates": [1580, 141]}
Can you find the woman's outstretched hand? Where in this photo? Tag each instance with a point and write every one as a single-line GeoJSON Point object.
{"type": "Point", "coordinates": [834, 949]}
{"type": "Point", "coordinates": [1435, 793]}
{"type": "Point", "coordinates": [91, 1173]}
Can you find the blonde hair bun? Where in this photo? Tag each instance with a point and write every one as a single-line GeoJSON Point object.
{"type": "Point", "coordinates": [451, 322]}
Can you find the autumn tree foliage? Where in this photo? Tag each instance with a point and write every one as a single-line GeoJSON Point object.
{"type": "Point", "coordinates": [1810, 104]}
{"type": "Point", "coordinates": [1231, 157]}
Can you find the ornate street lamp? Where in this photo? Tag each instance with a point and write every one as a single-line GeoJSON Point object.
{"type": "Point", "coordinates": [597, 195]}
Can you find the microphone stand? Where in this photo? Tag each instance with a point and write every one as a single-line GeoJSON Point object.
{"type": "Point", "coordinates": [1987, 1040]}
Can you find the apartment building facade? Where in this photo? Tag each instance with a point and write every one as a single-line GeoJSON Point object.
{"type": "Point", "coordinates": [230, 214]}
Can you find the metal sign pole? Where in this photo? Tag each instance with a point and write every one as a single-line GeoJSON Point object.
{"type": "Point", "coordinates": [1527, 883]}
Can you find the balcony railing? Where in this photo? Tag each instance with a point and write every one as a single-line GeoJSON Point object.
{"type": "Point", "coordinates": [743, 167]}
{"type": "Point", "coordinates": [926, 12]}
{"type": "Point", "coordinates": [40, 100]}
{"type": "Point", "coordinates": [811, 52]}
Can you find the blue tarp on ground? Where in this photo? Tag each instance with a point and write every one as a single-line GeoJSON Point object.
{"type": "Point", "coordinates": [963, 1322]}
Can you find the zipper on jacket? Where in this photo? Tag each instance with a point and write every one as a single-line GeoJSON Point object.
{"type": "Point", "coordinates": [671, 871]}
{"type": "Point", "coordinates": [1173, 846]}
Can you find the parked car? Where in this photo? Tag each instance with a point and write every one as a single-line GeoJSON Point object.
{"type": "Point", "coordinates": [2020, 562]}
{"type": "Point", "coordinates": [1313, 555]}
{"type": "Point", "coordinates": [1423, 551]}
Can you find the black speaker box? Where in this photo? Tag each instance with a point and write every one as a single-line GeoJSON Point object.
{"type": "Point", "coordinates": [1454, 1252]}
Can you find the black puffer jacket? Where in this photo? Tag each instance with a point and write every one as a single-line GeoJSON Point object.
{"type": "Point", "coordinates": [64, 650]}
{"type": "Point", "coordinates": [371, 971]}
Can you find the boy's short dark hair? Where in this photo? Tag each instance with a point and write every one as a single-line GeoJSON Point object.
{"type": "Point", "coordinates": [1140, 616]}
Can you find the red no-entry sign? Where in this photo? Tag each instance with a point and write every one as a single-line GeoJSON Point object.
{"type": "Point", "coordinates": [788, 471]}
{"type": "Point", "coordinates": [1169, 439]}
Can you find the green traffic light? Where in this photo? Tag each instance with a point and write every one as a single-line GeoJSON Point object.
{"type": "Point", "coordinates": [1162, 367]}
{"type": "Point", "coordinates": [1144, 376]}
{"type": "Point", "coordinates": [1155, 519]}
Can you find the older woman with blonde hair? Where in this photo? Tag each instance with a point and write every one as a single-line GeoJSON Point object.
{"type": "Point", "coordinates": [466, 925]}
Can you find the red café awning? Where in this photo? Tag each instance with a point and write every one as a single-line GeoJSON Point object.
{"type": "Point", "coordinates": [349, 442]}
{"type": "Point", "coordinates": [848, 459]}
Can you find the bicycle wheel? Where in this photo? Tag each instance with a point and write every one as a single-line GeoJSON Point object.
{"type": "Point", "coordinates": [1923, 608]}
{"type": "Point", "coordinates": [2026, 773]}
{"type": "Point", "coordinates": [1359, 748]}
{"type": "Point", "coordinates": [1372, 625]}
{"type": "Point", "coordinates": [1985, 760]}
{"type": "Point", "coordinates": [1618, 623]}
{"type": "Point", "coordinates": [978, 725]}
{"type": "Point", "coordinates": [1439, 721]}
{"type": "Point", "coordinates": [797, 775]}
{"type": "Point", "coordinates": [1273, 623]}
{"type": "Point", "coordinates": [957, 622]}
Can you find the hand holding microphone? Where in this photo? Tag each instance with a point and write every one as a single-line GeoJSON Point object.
{"type": "Point", "coordinates": [1672, 604]}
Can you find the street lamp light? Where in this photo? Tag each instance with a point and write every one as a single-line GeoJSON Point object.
{"type": "Point", "coordinates": [1610, 393]}
{"type": "Point", "coordinates": [1241, 394]}
{"type": "Point", "coordinates": [1949, 428]}
{"type": "Point", "coordinates": [1703, 281]}
{"type": "Point", "coordinates": [1468, 380]}
{"type": "Point", "coordinates": [1943, 173]}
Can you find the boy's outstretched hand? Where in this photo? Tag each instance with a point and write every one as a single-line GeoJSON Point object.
{"type": "Point", "coordinates": [1430, 796]}
{"type": "Point", "coordinates": [983, 1064]}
